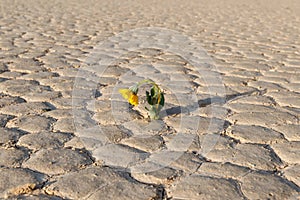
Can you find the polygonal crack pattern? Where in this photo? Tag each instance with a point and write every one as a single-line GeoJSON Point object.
{"type": "Point", "coordinates": [47, 154]}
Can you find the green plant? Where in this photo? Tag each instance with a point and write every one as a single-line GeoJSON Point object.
{"type": "Point", "coordinates": [155, 97]}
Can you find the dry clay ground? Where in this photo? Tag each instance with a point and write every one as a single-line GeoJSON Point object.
{"type": "Point", "coordinates": [242, 133]}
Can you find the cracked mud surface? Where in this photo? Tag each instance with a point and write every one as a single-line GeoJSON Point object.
{"type": "Point", "coordinates": [52, 103]}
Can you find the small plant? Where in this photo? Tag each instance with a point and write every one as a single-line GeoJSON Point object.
{"type": "Point", "coordinates": [155, 97]}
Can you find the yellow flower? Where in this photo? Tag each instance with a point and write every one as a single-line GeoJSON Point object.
{"type": "Point", "coordinates": [130, 96]}
{"type": "Point", "coordinates": [134, 100]}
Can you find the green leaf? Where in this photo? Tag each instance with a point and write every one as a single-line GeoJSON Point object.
{"type": "Point", "coordinates": [149, 99]}
{"type": "Point", "coordinates": [162, 99]}
{"type": "Point", "coordinates": [152, 91]}
{"type": "Point", "coordinates": [156, 89]}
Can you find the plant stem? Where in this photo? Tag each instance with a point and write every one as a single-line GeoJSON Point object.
{"type": "Point", "coordinates": [155, 109]}
{"type": "Point", "coordinates": [147, 81]}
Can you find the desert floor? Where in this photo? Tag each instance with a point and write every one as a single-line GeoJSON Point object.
{"type": "Point", "coordinates": [230, 71]}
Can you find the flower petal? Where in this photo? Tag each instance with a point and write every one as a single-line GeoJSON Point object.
{"type": "Point", "coordinates": [134, 99]}
{"type": "Point", "coordinates": [126, 93]}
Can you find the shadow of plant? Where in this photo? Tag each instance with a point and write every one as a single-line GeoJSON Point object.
{"type": "Point", "coordinates": [209, 101]}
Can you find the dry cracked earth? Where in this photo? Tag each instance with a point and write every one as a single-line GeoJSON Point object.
{"type": "Point", "coordinates": [231, 75]}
